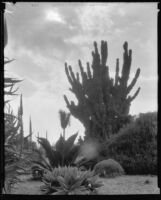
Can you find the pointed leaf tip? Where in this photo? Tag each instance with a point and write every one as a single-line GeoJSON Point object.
{"type": "Point", "coordinates": [95, 44]}
{"type": "Point", "coordinates": [125, 46]}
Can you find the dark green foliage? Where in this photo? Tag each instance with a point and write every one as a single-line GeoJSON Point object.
{"type": "Point", "coordinates": [70, 181]}
{"type": "Point", "coordinates": [108, 168]}
{"type": "Point", "coordinates": [10, 83]}
{"type": "Point", "coordinates": [64, 118]}
{"type": "Point", "coordinates": [135, 147]}
{"type": "Point", "coordinates": [12, 125]}
{"type": "Point", "coordinates": [64, 152]}
{"type": "Point", "coordinates": [103, 103]}
{"type": "Point", "coordinates": [53, 156]}
{"type": "Point", "coordinates": [12, 136]}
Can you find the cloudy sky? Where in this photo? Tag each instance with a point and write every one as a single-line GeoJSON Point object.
{"type": "Point", "coordinates": [43, 36]}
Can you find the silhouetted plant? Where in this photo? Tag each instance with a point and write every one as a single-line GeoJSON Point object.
{"type": "Point", "coordinates": [135, 146]}
{"type": "Point", "coordinates": [64, 120]}
{"type": "Point", "coordinates": [103, 103]}
{"type": "Point", "coordinates": [12, 125]}
{"type": "Point", "coordinates": [63, 153]}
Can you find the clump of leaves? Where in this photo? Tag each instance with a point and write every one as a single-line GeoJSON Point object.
{"type": "Point", "coordinates": [63, 153]}
{"type": "Point", "coordinates": [70, 181]}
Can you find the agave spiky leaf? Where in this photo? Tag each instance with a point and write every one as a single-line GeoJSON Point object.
{"type": "Point", "coordinates": [72, 155]}
{"type": "Point", "coordinates": [60, 144]}
{"type": "Point", "coordinates": [70, 180]}
{"type": "Point", "coordinates": [41, 159]}
{"type": "Point", "coordinates": [70, 142]}
{"type": "Point", "coordinates": [54, 156]}
{"type": "Point", "coordinates": [70, 151]}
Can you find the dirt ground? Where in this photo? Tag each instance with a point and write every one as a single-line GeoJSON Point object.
{"type": "Point", "coordinates": [119, 185]}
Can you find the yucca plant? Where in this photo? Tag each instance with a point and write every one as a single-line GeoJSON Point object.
{"type": "Point", "coordinates": [70, 181]}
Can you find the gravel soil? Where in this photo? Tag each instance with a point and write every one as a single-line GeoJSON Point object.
{"type": "Point", "coordinates": [130, 185]}
{"type": "Point", "coordinates": [118, 185]}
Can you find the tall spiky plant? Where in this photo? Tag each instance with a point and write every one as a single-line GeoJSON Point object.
{"type": "Point", "coordinates": [30, 133]}
{"type": "Point", "coordinates": [64, 120]}
{"type": "Point", "coordinates": [20, 117]}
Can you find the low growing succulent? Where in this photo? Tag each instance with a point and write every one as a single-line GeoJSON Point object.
{"type": "Point", "coordinates": [70, 181]}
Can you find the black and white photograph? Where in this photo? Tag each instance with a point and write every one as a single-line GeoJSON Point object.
{"type": "Point", "coordinates": [80, 98]}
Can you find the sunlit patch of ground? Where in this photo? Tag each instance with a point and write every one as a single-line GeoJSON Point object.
{"type": "Point", "coordinates": [27, 186]}
{"type": "Point", "coordinates": [130, 185]}
{"type": "Point", "coordinates": [119, 185]}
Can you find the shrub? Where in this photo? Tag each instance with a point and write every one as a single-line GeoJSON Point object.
{"type": "Point", "coordinates": [108, 168]}
{"type": "Point", "coordinates": [135, 146]}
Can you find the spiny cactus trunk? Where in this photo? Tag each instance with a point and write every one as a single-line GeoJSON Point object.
{"type": "Point", "coordinates": [103, 103]}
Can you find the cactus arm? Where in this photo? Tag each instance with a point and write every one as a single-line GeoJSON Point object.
{"type": "Point", "coordinates": [133, 81]}
{"type": "Point", "coordinates": [101, 100]}
{"type": "Point", "coordinates": [117, 72]}
{"type": "Point", "coordinates": [134, 96]}
{"type": "Point", "coordinates": [104, 52]}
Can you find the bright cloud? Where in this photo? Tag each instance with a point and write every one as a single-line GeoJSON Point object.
{"type": "Point", "coordinates": [54, 15]}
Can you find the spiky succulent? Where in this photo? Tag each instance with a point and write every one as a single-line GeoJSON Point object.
{"type": "Point", "coordinates": [69, 181]}
{"type": "Point", "coordinates": [63, 153]}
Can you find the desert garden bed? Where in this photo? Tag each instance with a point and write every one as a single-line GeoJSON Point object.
{"type": "Point", "coordinates": [126, 184]}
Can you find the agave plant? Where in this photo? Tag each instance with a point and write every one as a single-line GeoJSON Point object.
{"type": "Point", "coordinates": [63, 149]}
{"type": "Point", "coordinates": [63, 153]}
{"type": "Point", "coordinates": [70, 181]}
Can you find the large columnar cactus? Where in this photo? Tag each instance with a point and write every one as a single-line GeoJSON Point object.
{"type": "Point", "coordinates": [103, 102]}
